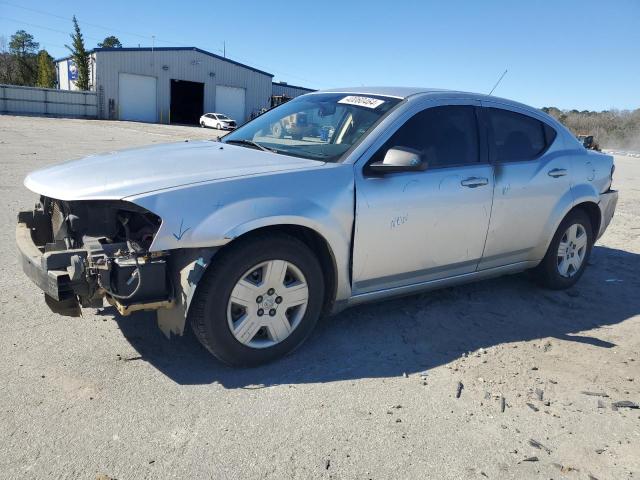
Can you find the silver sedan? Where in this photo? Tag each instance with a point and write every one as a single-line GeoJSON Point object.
{"type": "Point", "coordinates": [332, 199]}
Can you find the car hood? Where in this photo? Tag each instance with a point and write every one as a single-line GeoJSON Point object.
{"type": "Point", "coordinates": [117, 175]}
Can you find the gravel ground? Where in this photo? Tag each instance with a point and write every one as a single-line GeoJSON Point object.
{"type": "Point", "coordinates": [371, 395]}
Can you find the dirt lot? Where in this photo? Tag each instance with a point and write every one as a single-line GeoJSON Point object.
{"type": "Point", "coordinates": [371, 395]}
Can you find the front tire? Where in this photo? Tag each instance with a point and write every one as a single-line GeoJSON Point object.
{"type": "Point", "coordinates": [568, 253]}
{"type": "Point", "coordinates": [202, 124]}
{"type": "Point", "coordinates": [259, 300]}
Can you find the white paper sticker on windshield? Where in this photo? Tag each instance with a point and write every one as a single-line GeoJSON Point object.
{"type": "Point", "coordinates": [367, 102]}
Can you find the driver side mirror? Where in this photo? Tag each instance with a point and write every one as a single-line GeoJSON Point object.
{"type": "Point", "coordinates": [399, 159]}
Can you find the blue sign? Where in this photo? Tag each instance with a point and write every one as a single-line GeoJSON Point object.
{"type": "Point", "coordinates": [72, 70]}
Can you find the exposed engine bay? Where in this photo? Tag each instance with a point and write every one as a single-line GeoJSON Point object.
{"type": "Point", "coordinates": [99, 249]}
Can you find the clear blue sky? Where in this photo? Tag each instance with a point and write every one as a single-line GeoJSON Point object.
{"type": "Point", "coordinates": [580, 54]}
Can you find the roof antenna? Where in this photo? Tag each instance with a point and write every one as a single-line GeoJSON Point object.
{"type": "Point", "coordinates": [498, 82]}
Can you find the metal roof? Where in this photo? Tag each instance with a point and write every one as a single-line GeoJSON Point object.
{"type": "Point", "coordinates": [285, 84]}
{"type": "Point", "coordinates": [168, 49]}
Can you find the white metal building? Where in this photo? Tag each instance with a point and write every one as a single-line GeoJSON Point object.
{"type": "Point", "coordinates": [170, 84]}
{"type": "Point", "coordinates": [285, 90]}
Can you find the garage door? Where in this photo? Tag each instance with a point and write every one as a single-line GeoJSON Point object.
{"type": "Point", "coordinates": [137, 98]}
{"type": "Point", "coordinates": [230, 101]}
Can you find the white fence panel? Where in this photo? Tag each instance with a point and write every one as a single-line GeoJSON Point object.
{"type": "Point", "coordinates": [48, 101]}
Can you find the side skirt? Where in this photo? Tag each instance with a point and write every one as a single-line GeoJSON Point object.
{"type": "Point", "coordinates": [440, 283]}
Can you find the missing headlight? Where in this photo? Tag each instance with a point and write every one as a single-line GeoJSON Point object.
{"type": "Point", "coordinates": [74, 223]}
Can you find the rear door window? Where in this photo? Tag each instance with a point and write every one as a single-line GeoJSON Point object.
{"type": "Point", "coordinates": [517, 137]}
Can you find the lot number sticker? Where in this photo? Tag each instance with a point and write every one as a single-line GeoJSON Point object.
{"type": "Point", "coordinates": [367, 102]}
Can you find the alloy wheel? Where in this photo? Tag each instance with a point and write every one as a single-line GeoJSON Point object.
{"type": "Point", "coordinates": [572, 250]}
{"type": "Point", "coordinates": [267, 303]}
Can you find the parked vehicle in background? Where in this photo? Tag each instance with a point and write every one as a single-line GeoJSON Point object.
{"type": "Point", "coordinates": [588, 142]}
{"type": "Point", "coordinates": [277, 100]}
{"type": "Point", "coordinates": [368, 193]}
{"type": "Point", "coordinates": [217, 121]}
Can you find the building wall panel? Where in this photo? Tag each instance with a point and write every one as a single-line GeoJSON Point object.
{"type": "Point", "coordinates": [190, 65]}
{"type": "Point", "coordinates": [62, 70]}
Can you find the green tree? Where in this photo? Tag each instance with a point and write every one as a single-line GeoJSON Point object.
{"type": "Point", "coordinates": [80, 56]}
{"type": "Point", "coordinates": [46, 70]}
{"type": "Point", "coordinates": [6, 61]}
{"type": "Point", "coordinates": [23, 48]}
{"type": "Point", "coordinates": [110, 42]}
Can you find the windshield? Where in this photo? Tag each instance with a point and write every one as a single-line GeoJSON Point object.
{"type": "Point", "coordinates": [318, 126]}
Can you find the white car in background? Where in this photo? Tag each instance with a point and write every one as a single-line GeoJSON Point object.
{"type": "Point", "coordinates": [218, 121]}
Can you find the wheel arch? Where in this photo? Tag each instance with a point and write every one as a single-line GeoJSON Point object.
{"type": "Point", "coordinates": [593, 212]}
{"type": "Point", "coordinates": [189, 265]}
{"type": "Point", "coordinates": [315, 241]}
{"type": "Point", "coordinates": [588, 205]}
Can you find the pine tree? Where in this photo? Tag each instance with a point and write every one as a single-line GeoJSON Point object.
{"type": "Point", "coordinates": [80, 56]}
{"type": "Point", "coordinates": [23, 48]}
{"type": "Point", "coordinates": [110, 42]}
{"type": "Point", "coordinates": [46, 70]}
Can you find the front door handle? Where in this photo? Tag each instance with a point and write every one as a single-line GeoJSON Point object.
{"type": "Point", "coordinates": [473, 182]}
{"type": "Point", "coordinates": [557, 172]}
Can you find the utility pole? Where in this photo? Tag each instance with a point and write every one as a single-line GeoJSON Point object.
{"type": "Point", "coordinates": [224, 49]}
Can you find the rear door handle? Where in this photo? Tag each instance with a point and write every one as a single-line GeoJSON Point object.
{"type": "Point", "coordinates": [473, 182]}
{"type": "Point", "coordinates": [557, 172]}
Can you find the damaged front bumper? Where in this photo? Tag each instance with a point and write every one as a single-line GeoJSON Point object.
{"type": "Point", "coordinates": [48, 270]}
{"type": "Point", "coordinates": [84, 277]}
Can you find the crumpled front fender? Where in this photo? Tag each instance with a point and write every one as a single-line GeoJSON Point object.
{"type": "Point", "coordinates": [212, 214]}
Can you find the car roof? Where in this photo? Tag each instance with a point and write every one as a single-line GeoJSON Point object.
{"type": "Point", "coordinates": [406, 92]}
{"type": "Point", "coordinates": [398, 92]}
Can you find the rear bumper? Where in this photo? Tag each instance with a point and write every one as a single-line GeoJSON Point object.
{"type": "Point", "coordinates": [607, 203]}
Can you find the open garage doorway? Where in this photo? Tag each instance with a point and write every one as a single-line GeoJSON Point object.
{"type": "Point", "coordinates": [187, 101]}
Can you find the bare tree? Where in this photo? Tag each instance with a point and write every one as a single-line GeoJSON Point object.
{"type": "Point", "coordinates": [611, 128]}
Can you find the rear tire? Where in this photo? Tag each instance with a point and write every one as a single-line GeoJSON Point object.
{"type": "Point", "coordinates": [568, 252]}
{"type": "Point", "coordinates": [211, 314]}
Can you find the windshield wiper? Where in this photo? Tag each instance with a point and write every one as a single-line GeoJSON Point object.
{"type": "Point", "coordinates": [250, 143]}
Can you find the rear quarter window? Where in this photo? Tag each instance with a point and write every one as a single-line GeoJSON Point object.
{"type": "Point", "coordinates": [517, 137]}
